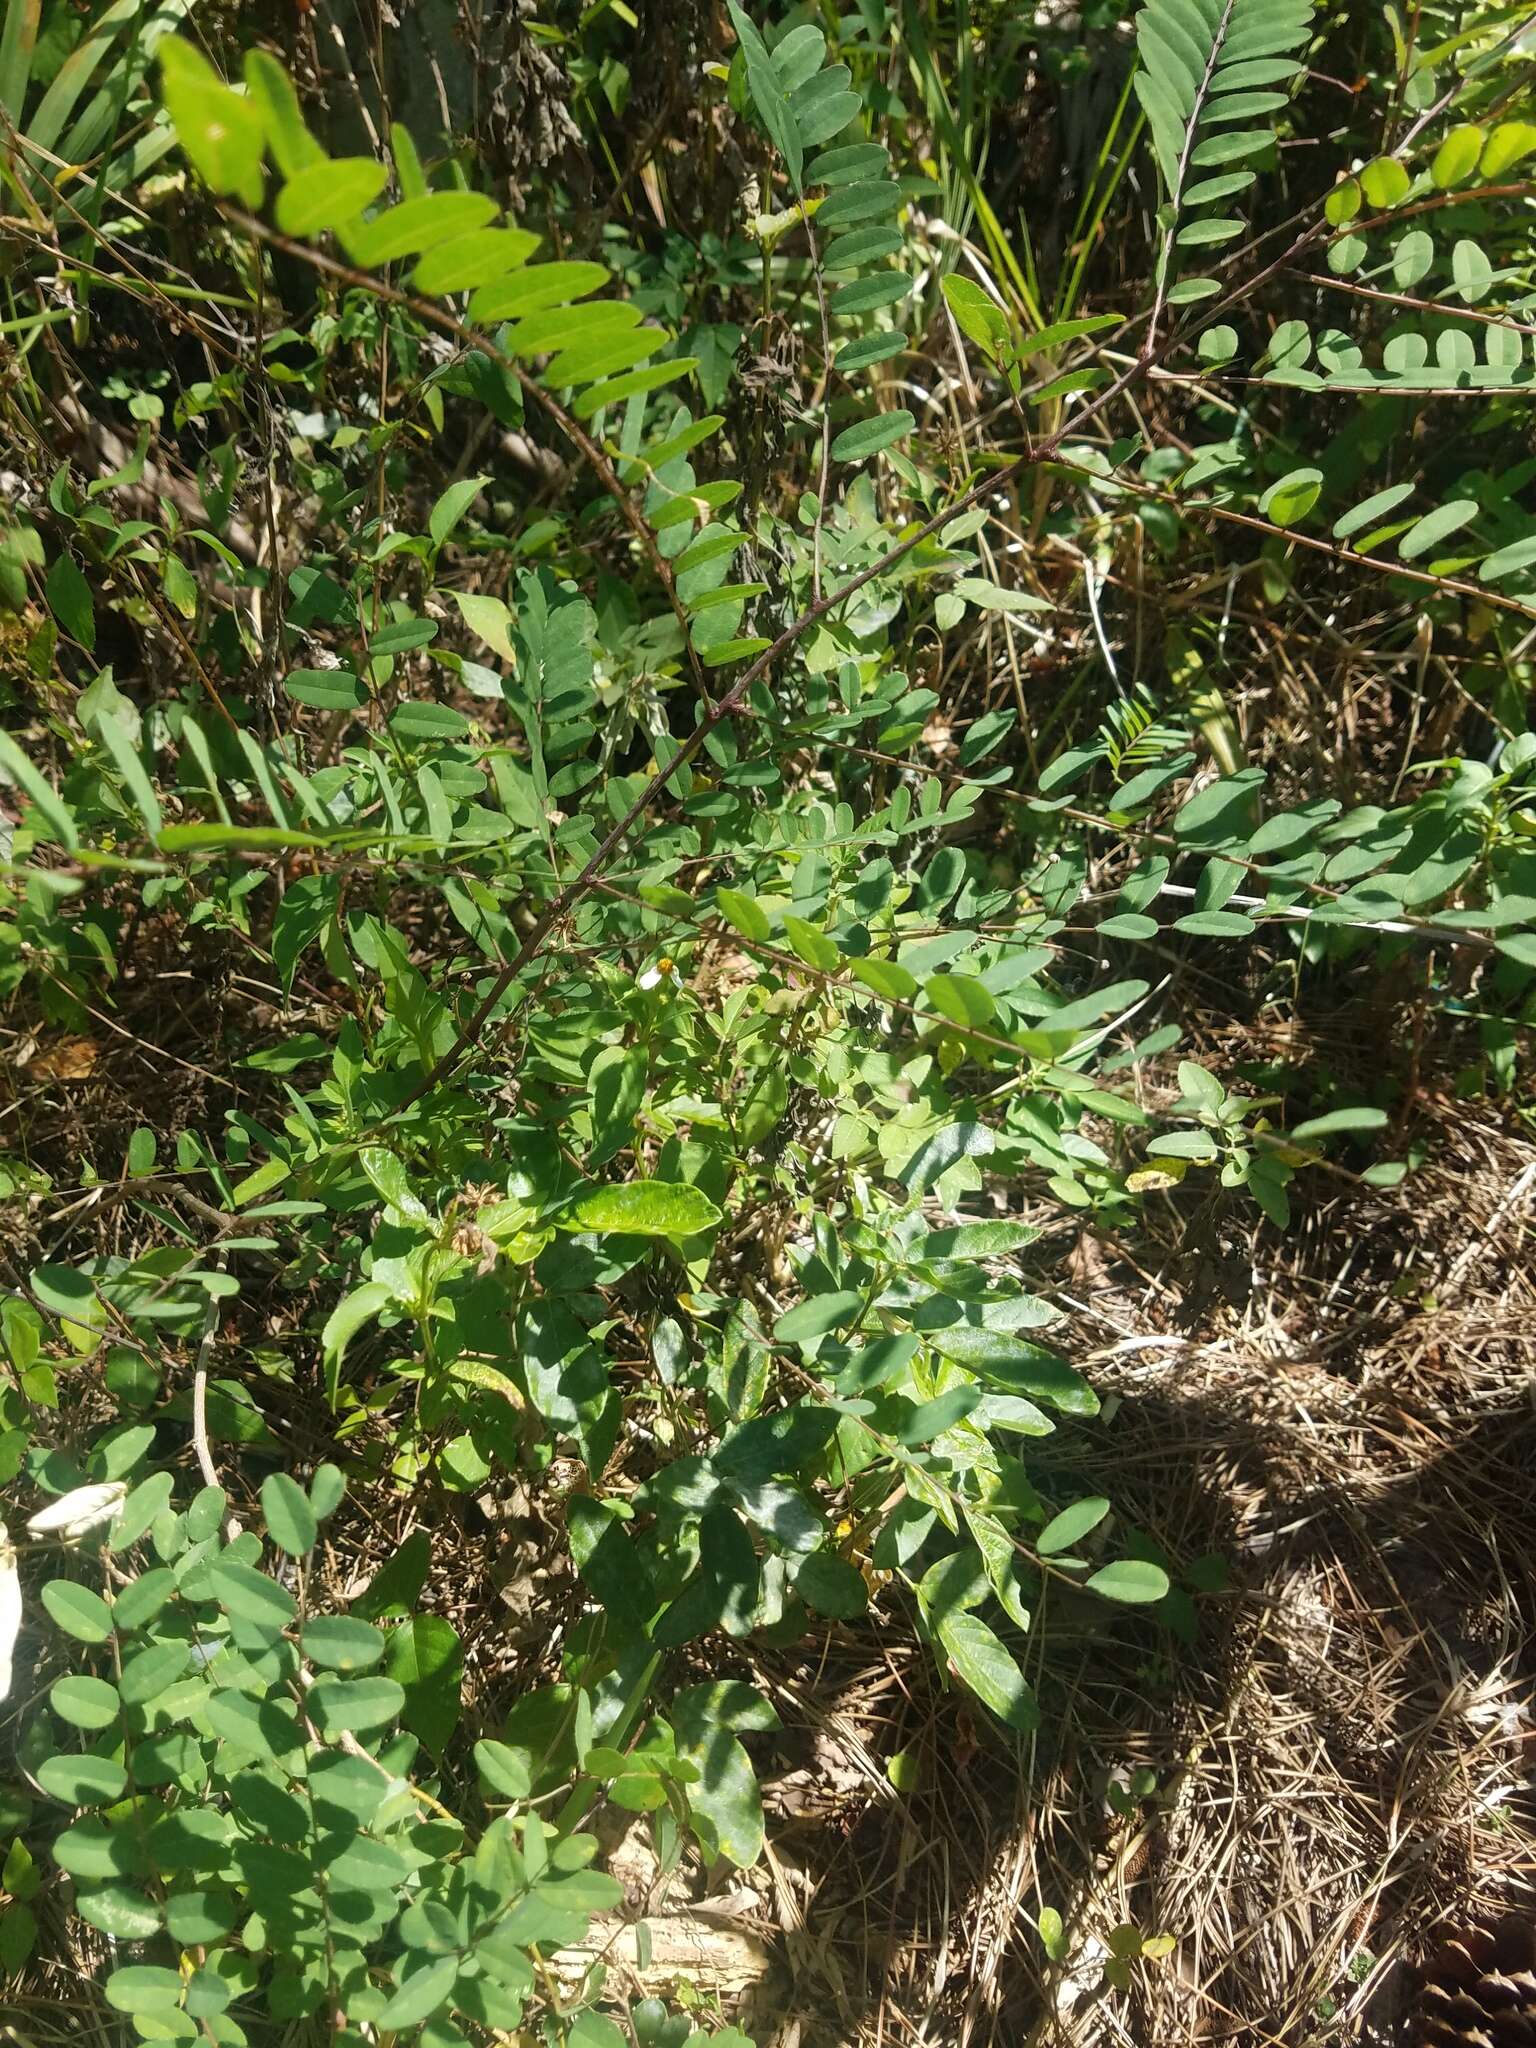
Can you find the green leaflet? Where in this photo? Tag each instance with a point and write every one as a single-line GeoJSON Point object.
{"type": "Point", "coordinates": [1292, 498]}
{"type": "Point", "coordinates": [328, 194]}
{"type": "Point", "coordinates": [988, 1669]}
{"type": "Point", "coordinates": [869, 437]}
{"type": "Point", "coordinates": [1130, 1581]}
{"type": "Point", "coordinates": [423, 223]}
{"type": "Point", "coordinates": [645, 1209]}
{"type": "Point", "coordinates": [534, 288]}
{"type": "Point", "coordinates": [476, 258]}
{"type": "Point", "coordinates": [220, 130]}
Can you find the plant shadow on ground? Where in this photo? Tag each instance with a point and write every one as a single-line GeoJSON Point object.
{"type": "Point", "coordinates": [1341, 1760]}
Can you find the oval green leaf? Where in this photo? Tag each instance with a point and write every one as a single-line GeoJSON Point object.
{"type": "Point", "coordinates": [82, 1780]}
{"type": "Point", "coordinates": [1063, 1530]}
{"type": "Point", "coordinates": [644, 1208]}
{"type": "Point", "coordinates": [78, 1611]}
{"type": "Point", "coordinates": [1293, 497]}
{"type": "Point", "coordinates": [329, 194]}
{"type": "Point", "coordinates": [1131, 1581]}
{"type": "Point", "coordinates": [868, 437]}
{"type": "Point", "coordinates": [987, 1668]}
{"type": "Point", "coordinates": [84, 1702]}
{"type": "Point", "coordinates": [340, 1642]}
{"type": "Point", "coordinates": [290, 1519]}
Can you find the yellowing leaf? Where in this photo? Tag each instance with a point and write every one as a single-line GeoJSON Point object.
{"type": "Point", "coordinates": [645, 1208]}
{"type": "Point", "coordinates": [1342, 203]}
{"type": "Point", "coordinates": [1456, 158]}
{"type": "Point", "coordinates": [1385, 182]}
{"type": "Point", "coordinates": [1510, 141]}
{"type": "Point", "coordinates": [1167, 1174]}
{"type": "Point", "coordinates": [489, 620]}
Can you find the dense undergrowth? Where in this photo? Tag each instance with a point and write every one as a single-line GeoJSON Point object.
{"type": "Point", "coordinates": [648, 690]}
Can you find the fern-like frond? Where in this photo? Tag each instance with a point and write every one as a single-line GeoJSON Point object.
{"type": "Point", "coordinates": [847, 190]}
{"type": "Point", "coordinates": [1131, 732]}
{"type": "Point", "coordinates": [1212, 77]}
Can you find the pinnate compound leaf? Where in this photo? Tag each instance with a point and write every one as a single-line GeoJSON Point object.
{"type": "Point", "coordinates": [768, 95]}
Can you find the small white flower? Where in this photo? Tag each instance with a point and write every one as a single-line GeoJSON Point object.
{"type": "Point", "coordinates": [77, 1513]}
{"type": "Point", "coordinates": [653, 976]}
{"type": "Point", "coordinates": [10, 1610]}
